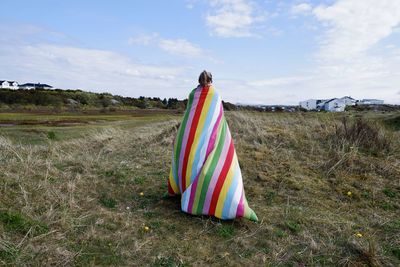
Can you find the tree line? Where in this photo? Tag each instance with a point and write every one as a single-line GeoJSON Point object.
{"type": "Point", "coordinates": [59, 98]}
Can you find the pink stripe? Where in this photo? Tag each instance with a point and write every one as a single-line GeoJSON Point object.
{"type": "Point", "coordinates": [186, 134]}
{"type": "Point", "coordinates": [216, 173]}
{"type": "Point", "coordinates": [193, 193]}
{"type": "Point", "coordinates": [211, 142]}
{"type": "Point", "coordinates": [240, 208]}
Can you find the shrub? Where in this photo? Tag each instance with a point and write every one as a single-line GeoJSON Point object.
{"type": "Point", "coordinates": [369, 137]}
{"type": "Point", "coordinates": [51, 135]}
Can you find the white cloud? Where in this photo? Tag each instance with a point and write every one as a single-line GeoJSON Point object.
{"type": "Point", "coordinates": [144, 39]}
{"type": "Point", "coordinates": [302, 8]}
{"type": "Point", "coordinates": [282, 81]}
{"type": "Point", "coordinates": [354, 26]}
{"type": "Point", "coordinates": [233, 18]}
{"type": "Point", "coordinates": [179, 47]}
{"type": "Point", "coordinates": [191, 3]}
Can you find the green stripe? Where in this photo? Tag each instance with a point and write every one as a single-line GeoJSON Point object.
{"type": "Point", "coordinates": [178, 142]}
{"type": "Point", "coordinates": [215, 157]}
{"type": "Point", "coordinates": [253, 216]}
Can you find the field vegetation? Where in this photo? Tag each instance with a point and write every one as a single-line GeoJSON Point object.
{"type": "Point", "coordinates": [326, 188]}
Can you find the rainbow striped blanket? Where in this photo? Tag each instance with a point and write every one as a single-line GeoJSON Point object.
{"type": "Point", "coordinates": [205, 169]}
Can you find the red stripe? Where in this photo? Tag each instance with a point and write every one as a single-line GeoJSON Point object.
{"type": "Point", "coordinates": [192, 132]}
{"type": "Point", "coordinates": [221, 179]}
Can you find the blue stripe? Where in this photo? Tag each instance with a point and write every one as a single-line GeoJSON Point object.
{"type": "Point", "coordinates": [231, 193]}
{"type": "Point", "coordinates": [185, 199]}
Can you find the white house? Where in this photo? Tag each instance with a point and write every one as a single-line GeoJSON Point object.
{"type": "Point", "coordinates": [35, 86]}
{"type": "Point", "coordinates": [309, 104]}
{"type": "Point", "coordinates": [370, 102]}
{"type": "Point", "coordinates": [9, 84]}
{"type": "Point", "coordinates": [312, 104]}
{"type": "Point", "coordinates": [335, 105]}
{"type": "Point", "coordinates": [348, 101]}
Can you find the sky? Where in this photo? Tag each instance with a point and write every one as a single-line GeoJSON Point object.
{"type": "Point", "coordinates": [259, 52]}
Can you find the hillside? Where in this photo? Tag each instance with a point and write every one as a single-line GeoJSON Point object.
{"type": "Point", "coordinates": [325, 187]}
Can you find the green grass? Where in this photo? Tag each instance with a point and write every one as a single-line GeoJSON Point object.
{"type": "Point", "coordinates": [226, 230]}
{"type": "Point", "coordinates": [97, 252]}
{"type": "Point", "coordinates": [394, 122]}
{"type": "Point", "coordinates": [389, 192]}
{"type": "Point", "coordinates": [72, 195]}
{"type": "Point", "coordinates": [8, 252]}
{"type": "Point", "coordinates": [294, 227]}
{"type": "Point", "coordinates": [396, 252]}
{"type": "Point", "coordinates": [270, 197]}
{"type": "Point", "coordinates": [108, 202]}
{"type": "Point", "coordinates": [39, 128]}
{"type": "Point", "coordinates": [17, 223]}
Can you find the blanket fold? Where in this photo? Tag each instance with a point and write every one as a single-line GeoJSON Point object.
{"type": "Point", "coordinates": [205, 169]}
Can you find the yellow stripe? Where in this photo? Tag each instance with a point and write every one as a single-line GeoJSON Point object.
{"type": "Point", "coordinates": [199, 130]}
{"type": "Point", "coordinates": [225, 188]}
{"type": "Point", "coordinates": [247, 213]}
{"type": "Point", "coordinates": [172, 183]}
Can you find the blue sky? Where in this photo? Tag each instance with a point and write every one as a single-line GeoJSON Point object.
{"type": "Point", "coordinates": [270, 52]}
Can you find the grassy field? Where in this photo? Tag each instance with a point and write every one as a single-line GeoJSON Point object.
{"type": "Point", "coordinates": [326, 188]}
{"type": "Point", "coordinates": [38, 128]}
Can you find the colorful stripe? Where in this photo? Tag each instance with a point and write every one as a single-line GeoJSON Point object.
{"type": "Point", "coordinates": [205, 169]}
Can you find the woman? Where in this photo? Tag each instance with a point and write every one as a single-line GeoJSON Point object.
{"type": "Point", "coordinates": [205, 169]}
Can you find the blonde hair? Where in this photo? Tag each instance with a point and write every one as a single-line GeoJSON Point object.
{"type": "Point", "coordinates": [205, 78]}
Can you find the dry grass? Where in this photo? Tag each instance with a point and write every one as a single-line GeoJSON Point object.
{"type": "Point", "coordinates": [88, 201]}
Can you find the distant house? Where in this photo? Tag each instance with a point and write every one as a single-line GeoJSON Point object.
{"type": "Point", "coordinates": [72, 102]}
{"type": "Point", "coordinates": [369, 102]}
{"type": "Point", "coordinates": [334, 105]}
{"type": "Point", "coordinates": [9, 84]}
{"type": "Point", "coordinates": [35, 86]}
{"type": "Point", "coordinates": [348, 101]}
{"type": "Point", "coordinates": [309, 104]}
{"type": "Point", "coordinates": [114, 101]}
{"type": "Point", "coordinates": [312, 104]}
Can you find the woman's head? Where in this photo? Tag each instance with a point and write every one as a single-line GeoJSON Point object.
{"type": "Point", "coordinates": [205, 78]}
